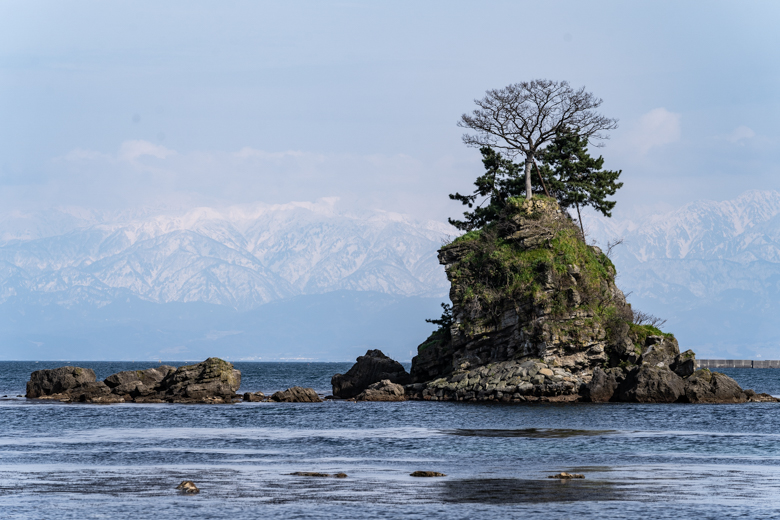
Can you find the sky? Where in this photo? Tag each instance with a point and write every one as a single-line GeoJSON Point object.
{"type": "Point", "coordinates": [121, 105]}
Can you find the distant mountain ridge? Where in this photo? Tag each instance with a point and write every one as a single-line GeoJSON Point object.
{"type": "Point", "coordinates": [241, 257]}
{"type": "Point", "coordinates": [712, 268]}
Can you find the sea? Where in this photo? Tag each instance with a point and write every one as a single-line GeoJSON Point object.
{"type": "Point", "coordinates": [639, 460]}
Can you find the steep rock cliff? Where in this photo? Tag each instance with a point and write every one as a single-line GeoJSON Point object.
{"type": "Point", "coordinates": [535, 311]}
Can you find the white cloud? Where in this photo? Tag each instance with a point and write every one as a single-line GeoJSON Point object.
{"type": "Point", "coordinates": [131, 150]}
{"type": "Point", "coordinates": [741, 133]}
{"type": "Point", "coordinates": [656, 128]}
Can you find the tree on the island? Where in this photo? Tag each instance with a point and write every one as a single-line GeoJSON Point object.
{"type": "Point", "coordinates": [575, 178]}
{"type": "Point", "coordinates": [500, 181]}
{"type": "Point", "coordinates": [522, 118]}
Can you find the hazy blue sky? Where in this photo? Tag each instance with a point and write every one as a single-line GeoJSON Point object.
{"type": "Point", "coordinates": [124, 104]}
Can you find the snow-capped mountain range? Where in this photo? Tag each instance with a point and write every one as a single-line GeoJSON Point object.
{"type": "Point", "coordinates": [147, 278]}
{"type": "Point", "coordinates": [705, 247]}
{"type": "Point", "coordinates": [241, 257]}
{"type": "Point", "coordinates": [711, 268]}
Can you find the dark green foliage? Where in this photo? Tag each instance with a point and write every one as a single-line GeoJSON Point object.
{"type": "Point", "coordinates": [442, 334]}
{"type": "Point", "coordinates": [502, 179]}
{"type": "Point", "coordinates": [575, 178]}
{"type": "Point", "coordinates": [446, 317]}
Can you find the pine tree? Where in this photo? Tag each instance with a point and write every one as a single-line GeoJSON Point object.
{"type": "Point", "coordinates": [575, 178]}
{"type": "Point", "coordinates": [502, 179]}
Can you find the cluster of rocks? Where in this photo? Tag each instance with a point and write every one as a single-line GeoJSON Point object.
{"type": "Point", "coordinates": [550, 339]}
{"type": "Point", "coordinates": [211, 381]}
{"type": "Point", "coordinates": [505, 381]}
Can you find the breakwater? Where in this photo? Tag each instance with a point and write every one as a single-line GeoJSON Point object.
{"type": "Point", "coordinates": [737, 363]}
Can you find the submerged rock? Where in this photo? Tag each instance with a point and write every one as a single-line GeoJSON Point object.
{"type": "Point", "coordinates": [384, 390]}
{"type": "Point", "coordinates": [188, 487]}
{"type": "Point", "coordinates": [565, 476]}
{"type": "Point", "coordinates": [318, 475]}
{"type": "Point", "coordinates": [296, 394]}
{"type": "Point", "coordinates": [371, 368]}
{"type": "Point", "coordinates": [427, 474]}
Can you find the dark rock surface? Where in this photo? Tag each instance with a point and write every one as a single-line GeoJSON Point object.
{"type": "Point", "coordinates": [651, 384]}
{"type": "Point", "coordinates": [712, 387]}
{"type": "Point", "coordinates": [384, 390]}
{"type": "Point", "coordinates": [604, 384]}
{"type": "Point", "coordinates": [427, 474]}
{"type": "Point", "coordinates": [371, 368]}
{"type": "Point", "coordinates": [318, 474]}
{"type": "Point", "coordinates": [46, 383]}
{"type": "Point", "coordinates": [296, 394]}
{"type": "Point", "coordinates": [254, 397]}
{"type": "Point", "coordinates": [565, 476]}
{"type": "Point", "coordinates": [684, 364]}
{"type": "Point", "coordinates": [211, 381]}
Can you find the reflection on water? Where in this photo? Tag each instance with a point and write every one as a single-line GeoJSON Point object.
{"type": "Point", "coordinates": [640, 461]}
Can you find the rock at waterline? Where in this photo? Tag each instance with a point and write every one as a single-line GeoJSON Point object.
{"type": "Point", "coordinates": [44, 383]}
{"type": "Point", "coordinates": [254, 397]}
{"type": "Point", "coordinates": [564, 476]}
{"type": "Point", "coordinates": [384, 390]}
{"type": "Point", "coordinates": [427, 474]}
{"type": "Point", "coordinates": [188, 487]}
{"type": "Point", "coordinates": [296, 394]}
{"type": "Point", "coordinates": [371, 368]}
{"type": "Point", "coordinates": [318, 475]}
{"type": "Point", "coordinates": [211, 381]}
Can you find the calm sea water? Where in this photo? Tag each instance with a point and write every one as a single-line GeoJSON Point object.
{"type": "Point", "coordinates": [640, 461]}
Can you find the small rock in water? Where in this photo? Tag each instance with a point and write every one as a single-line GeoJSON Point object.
{"type": "Point", "coordinates": [316, 474]}
{"type": "Point", "coordinates": [296, 394]}
{"type": "Point", "coordinates": [188, 486]}
{"type": "Point", "coordinates": [564, 475]}
{"type": "Point", "coordinates": [427, 474]}
{"type": "Point", "coordinates": [254, 397]}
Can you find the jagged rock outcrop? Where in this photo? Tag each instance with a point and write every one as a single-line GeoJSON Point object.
{"type": "Point", "coordinates": [296, 394]}
{"type": "Point", "coordinates": [371, 368]}
{"type": "Point", "coordinates": [58, 381]}
{"type": "Point", "coordinates": [384, 390]}
{"type": "Point", "coordinates": [211, 381]}
{"type": "Point", "coordinates": [536, 316]}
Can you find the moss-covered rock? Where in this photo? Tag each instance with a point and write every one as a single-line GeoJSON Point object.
{"type": "Point", "coordinates": [536, 313]}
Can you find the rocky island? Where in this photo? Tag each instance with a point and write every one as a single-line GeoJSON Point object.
{"type": "Point", "coordinates": [536, 316]}
{"type": "Point", "coordinates": [211, 381]}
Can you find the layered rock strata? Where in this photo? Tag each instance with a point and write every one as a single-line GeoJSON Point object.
{"type": "Point", "coordinates": [536, 316]}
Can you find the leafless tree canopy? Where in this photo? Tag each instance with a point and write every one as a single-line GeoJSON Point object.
{"type": "Point", "coordinates": [523, 117]}
{"type": "Point", "coordinates": [612, 244]}
{"type": "Point", "coordinates": [644, 318]}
